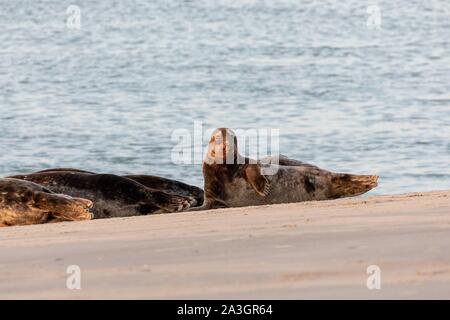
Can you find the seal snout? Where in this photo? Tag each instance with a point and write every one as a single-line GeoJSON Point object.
{"type": "Point", "coordinates": [88, 204]}
{"type": "Point", "coordinates": [80, 208]}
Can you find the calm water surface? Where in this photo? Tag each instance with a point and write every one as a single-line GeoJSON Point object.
{"type": "Point", "coordinates": [346, 97]}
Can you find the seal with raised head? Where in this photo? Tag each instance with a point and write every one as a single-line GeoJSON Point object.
{"type": "Point", "coordinates": [232, 180]}
{"type": "Point", "coordinates": [24, 203]}
{"type": "Point", "coordinates": [113, 196]}
{"type": "Point", "coordinates": [170, 186]}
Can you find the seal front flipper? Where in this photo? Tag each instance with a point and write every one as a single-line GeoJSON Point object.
{"type": "Point", "coordinates": [170, 203]}
{"type": "Point", "coordinates": [209, 204]}
{"type": "Point", "coordinates": [259, 182]}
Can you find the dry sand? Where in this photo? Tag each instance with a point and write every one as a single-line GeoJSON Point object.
{"type": "Point", "coordinates": [294, 251]}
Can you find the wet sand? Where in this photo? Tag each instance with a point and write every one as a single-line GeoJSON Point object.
{"type": "Point", "coordinates": [293, 251]}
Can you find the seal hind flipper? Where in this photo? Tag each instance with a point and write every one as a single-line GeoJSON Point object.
{"type": "Point", "coordinates": [259, 182]}
{"type": "Point", "coordinates": [347, 185]}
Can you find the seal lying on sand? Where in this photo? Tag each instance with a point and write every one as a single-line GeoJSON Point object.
{"type": "Point", "coordinates": [232, 180]}
{"type": "Point", "coordinates": [170, 186]}
{"type": "Point", "coordinates": [23, 202]}
{"type": "Point", "coordinates": [113, 196]}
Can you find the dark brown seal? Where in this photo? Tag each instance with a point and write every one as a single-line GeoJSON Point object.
{"type": "Point", "coordinates": [113, 196]}
{"type": "Point", "coordinates": [232, 180]}
{"type": "Point", "coordinates": [170, 186]}
{"type": "Point", "coordinates": [24, 202]}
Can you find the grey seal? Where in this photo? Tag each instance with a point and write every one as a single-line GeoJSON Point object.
{"type": "Point", "coordinates": [167, 185]}
{"type": "Point", "coordinates": [231, 180]}
{"type": "Point", "coordinates": [24, 203]}
{"type": "Point", "coordinates": [112, 195]}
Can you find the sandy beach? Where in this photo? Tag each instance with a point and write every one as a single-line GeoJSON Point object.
{"type": "Point", "coordinates": [293, 251]}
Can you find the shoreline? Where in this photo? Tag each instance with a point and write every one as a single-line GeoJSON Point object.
{"type": "Point", "coordinates": [317, 249]}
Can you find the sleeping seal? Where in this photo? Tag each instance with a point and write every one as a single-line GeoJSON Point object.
{"type": "Point", "coordinates": [170, 186]}
{"type": "Point", "coordinates": [23, 202]}
{"type": "Point", "coordinates": [232, 180]}
{"type": "Point", "coordinates": [113, 196]}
